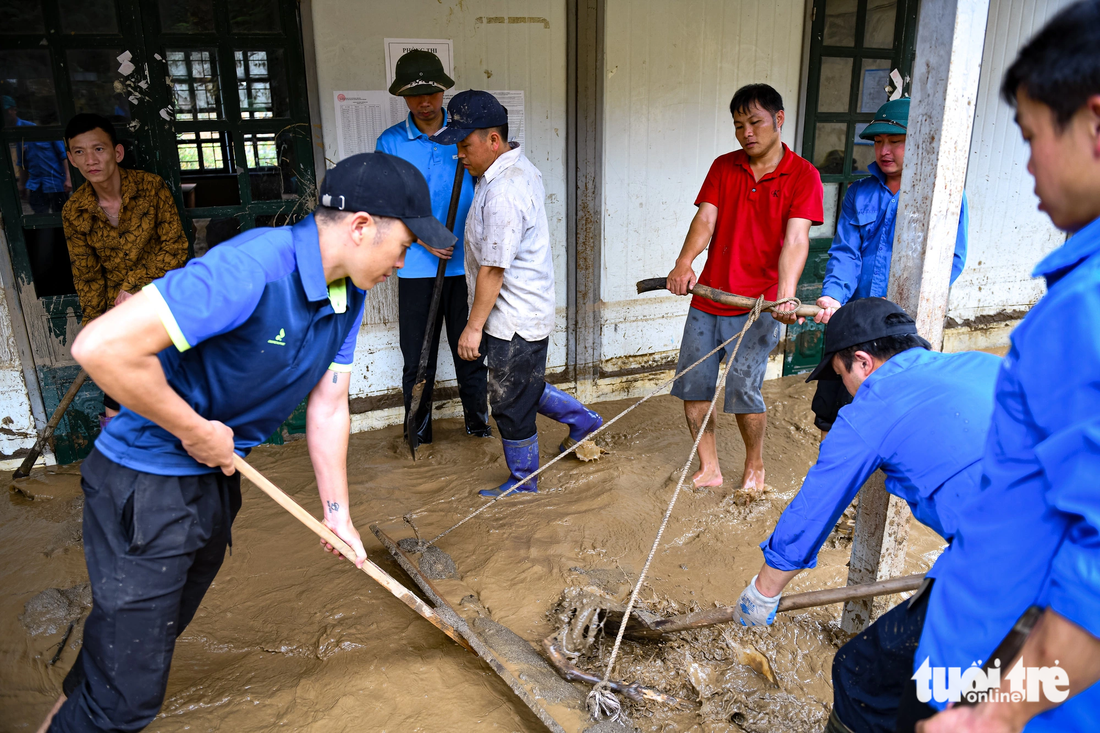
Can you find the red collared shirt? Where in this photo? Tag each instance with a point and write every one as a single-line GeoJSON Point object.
{"type": "Point", "coordinates": [752, 221]}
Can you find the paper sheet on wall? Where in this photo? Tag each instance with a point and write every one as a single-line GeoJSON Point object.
{"type": "Point", "coordinates": [362, 116]}
{"type": "Point", "coordinates": [398, 47]}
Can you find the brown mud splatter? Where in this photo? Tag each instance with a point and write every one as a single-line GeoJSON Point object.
{"type": "Point", "coordinates": [292, 637]}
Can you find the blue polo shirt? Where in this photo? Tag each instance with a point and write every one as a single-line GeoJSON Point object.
{"type": "Point", "coordinates": [254, 328]}
{"type": "Point", "coordinates": [437, 163]}
{"type": "Point", "coordinates": [44, 161]}
{"type": "Point", "coordinates": [922, 418]}
{"type": "Point", "coordinates": [859, 258]}
{"type": "Point", "coordinates": [1033, 533]}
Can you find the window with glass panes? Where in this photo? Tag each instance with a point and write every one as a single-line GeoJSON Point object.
{"type": "Point", "coordinates": [854, 45]}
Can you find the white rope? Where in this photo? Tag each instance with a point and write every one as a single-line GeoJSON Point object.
{"type": "Point", "coordinates": [602, 428]}
{"type": "Point", "coordinates": [601, 700]}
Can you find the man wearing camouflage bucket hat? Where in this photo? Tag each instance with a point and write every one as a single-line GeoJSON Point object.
{"type": "Point", "coordinates": [859, 258]}
{"type": "Point", "coordinates": [420, 79]}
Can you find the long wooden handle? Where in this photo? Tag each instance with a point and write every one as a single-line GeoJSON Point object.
{"type": "Point", "coordinates": [794, 602]}
{"type": "Point", "coordinates": [378, 574]}
{"type": "Point", "coordinates": [25, 467]}
{"type": "Point", "coordinates": [720, 296]}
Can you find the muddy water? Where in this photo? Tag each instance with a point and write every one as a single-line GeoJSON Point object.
{"type": "Point", "coordinates": [288, 636]}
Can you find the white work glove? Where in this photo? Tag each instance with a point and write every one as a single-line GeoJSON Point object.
{"type": "Point", "coordinates": [756, 609]}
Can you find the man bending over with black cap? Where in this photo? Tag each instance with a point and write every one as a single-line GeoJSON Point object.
{"type": "Point", "coordinates": [921, 417]}
{"type": "Point", "coordinates": [510, 274]}
{"type": "Point", "coordinates": [207, 361]}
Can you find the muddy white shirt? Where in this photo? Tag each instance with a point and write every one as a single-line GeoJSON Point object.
{"type": "Point", "coordinates": [507, 228]}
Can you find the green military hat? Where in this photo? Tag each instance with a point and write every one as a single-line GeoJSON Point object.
{"type": "Point", "coordinates": [892, 118]}
{"type": "Point", "coordinates": [419, 72]}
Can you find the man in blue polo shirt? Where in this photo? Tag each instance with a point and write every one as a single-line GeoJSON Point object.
{"type": "Point", "coordinates": [921, 417]}
{"type": "Point", "coordinates": [208, 360]}
{"type": "Point", "coordinates": [859, 258]}
{"type": "Point", "coordinates": [420, 80]}
{"type": "Point", "coordinates": [1035, 537]}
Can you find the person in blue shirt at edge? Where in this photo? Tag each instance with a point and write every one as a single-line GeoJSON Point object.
{"type": "Point", "coordinates": [919, 416]}
{"type": "Point", "coordinates": [209, 360]}
{"type": "Point", "coordinates": [1034, 539]}
{"type": "Point", "coordinates": [420, 80]}
{"type": "Point", "coordinates": [859, 258]}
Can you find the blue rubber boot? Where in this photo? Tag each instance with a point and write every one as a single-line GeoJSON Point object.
{"type": "Point", "coordinates": [522, 457]}
{"type": "Point", "coordinates": [567, 409]}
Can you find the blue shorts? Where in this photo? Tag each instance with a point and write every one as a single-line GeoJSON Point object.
{"type": "Point", "coordinates": [703, 332]}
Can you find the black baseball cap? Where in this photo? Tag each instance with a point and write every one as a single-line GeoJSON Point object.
{"type": "Point", "coordinates": [469, 111]}
{"type": "Point", "coordinates": [385, 185]}
{"type": "Point", "coordinates": [858, 322]}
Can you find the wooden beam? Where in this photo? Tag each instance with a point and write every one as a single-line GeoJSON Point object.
{"type": "Point", "coordinates": [950, 41]}
{"type": "Point", "coordinates": [878, 549]}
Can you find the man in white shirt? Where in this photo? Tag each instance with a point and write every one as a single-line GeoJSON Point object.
{"type": "Point", "coordinates": [510, 278]}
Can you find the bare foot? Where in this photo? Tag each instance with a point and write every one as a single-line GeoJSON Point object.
{"type": "Point", "coordinates": [49, 716]}
{"type": "Point", "coordinates": [752, 486]}
{"type": "Point", "coordinates": [707, 477]}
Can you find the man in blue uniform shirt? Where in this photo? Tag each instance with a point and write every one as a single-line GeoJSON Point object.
{"type": "Point", "coordinates": [208, 360]}
{"type": "Point", "coordinates": [420, 80]}
{"type": "Point", "coordinates": [859, 258]}
{"type": "Point", "coordinates": [1034, 537]}
{"type": "Point", "coordinates": [921, 417]}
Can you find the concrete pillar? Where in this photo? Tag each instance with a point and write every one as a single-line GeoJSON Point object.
{"type": "Point", "coordinates": [950, 41]}
{"type": "Point", "coordinates": [584, 189]}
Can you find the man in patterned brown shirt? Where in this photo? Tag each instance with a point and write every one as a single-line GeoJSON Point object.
{"type": "Point", "coordinates": [122, 226]}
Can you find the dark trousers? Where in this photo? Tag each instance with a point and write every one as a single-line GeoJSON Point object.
{"type": "Point", "coordinates": [414, 296]}
{"type": "Point", "coordinates": [153, 545]}
{"type": "Point", "coordinates": [831, 395]}
{"type": "Point", "coordinates": [871, 671]}
{"type": "Point", "coordinates": [517, 378]}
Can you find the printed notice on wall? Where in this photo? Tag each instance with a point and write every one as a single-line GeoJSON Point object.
{"type": "Point", "coordinates": [398, 47]}
{"type": "Point", "coordinates": [361, 117]}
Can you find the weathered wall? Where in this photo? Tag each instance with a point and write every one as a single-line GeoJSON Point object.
{"type": "Point", "coordinates": [525, 53]}
{"type": "Point", "coordinates": [17, 426]}
{"type": "Point", "coordinates": [671, 69]}
{"type": "Point", "coordinates": [1008, 234]}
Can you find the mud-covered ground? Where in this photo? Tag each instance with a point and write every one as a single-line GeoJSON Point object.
{"type": "Point", "coordinates": [290, 637]}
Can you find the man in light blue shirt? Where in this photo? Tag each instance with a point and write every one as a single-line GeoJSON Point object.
{"type": "Point", "coordinates": [919, 416]}
{"type": "Point", "coordinates": [1035, 537]}
{"type": "Point", "coordinates": [859, 258]}
{"type": "Point", "coordinates": [420, 80]}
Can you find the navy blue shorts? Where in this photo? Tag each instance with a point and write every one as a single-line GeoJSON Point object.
{"type": "Point", "coordinates": [703, 332]}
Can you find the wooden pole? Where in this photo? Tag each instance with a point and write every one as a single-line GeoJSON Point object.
{"type": "Point", "coordinates": [376, 573]}
{"type": "Point", "coordinates": [25, 467]}
{"type": "Point", "coordinates": [950, 41]}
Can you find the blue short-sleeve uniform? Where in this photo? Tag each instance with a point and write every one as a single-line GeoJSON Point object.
{"type": "Point", "coordinates": [922, 418]}
{"type": "Point", "coordinates": [1032, 535]}
{"type": "Point", "coordinates": [254, 328]}
{"type": "Point", "coordinates": [859, 257]}
{"type": "Point", "coordinates": [437, 163]}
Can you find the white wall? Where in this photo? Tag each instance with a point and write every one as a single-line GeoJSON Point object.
{"type": "Point", "coordinates": [17, 427]}
{"type": "Point", "coordinates": [671, 69]}
{"type": "Point", "coordinates": [1008, 235]}
{"type": "Point", "coordinates": [526, 52]}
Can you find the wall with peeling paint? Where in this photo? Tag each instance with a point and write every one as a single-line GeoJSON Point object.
{"type": "Point", "coordinates": [671, 69]}
{"type": "Point", "coordinates": [1008, 235]}
{"type": "Point", "coordinates": [498, 44]}
{"type": "Point", "coordinates": [17, 427]}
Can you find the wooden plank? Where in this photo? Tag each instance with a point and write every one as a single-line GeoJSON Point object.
{"type": "Point", "coordinates": [878, 549]}
{"type": "Point", "coordinates": [559, 705]}
{"type": "Point", "coordinates": [950, 41]}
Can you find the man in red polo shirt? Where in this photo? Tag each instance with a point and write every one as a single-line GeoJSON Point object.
{"type": "Point", "coordinates": [755, 211]}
